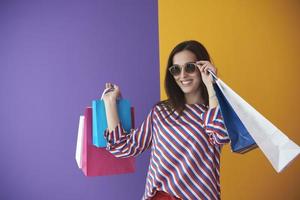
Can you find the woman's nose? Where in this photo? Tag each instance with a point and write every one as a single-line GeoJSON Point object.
{"type": "Point", "coordinates": [183, 73]}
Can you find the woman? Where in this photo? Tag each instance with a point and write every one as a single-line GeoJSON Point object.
{"type": "Point", "coordinates": [185, 132]}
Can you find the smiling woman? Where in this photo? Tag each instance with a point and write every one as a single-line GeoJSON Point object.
{"type": "Point", "coordinates": [256, 51]}
{"type": "Point", "coordinates": [189, 86]}
{"type": "Point", "coordinates": [185, 132]}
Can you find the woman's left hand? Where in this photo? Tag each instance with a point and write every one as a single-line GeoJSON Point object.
{"type": "Point", "coordinates": [204, 66]}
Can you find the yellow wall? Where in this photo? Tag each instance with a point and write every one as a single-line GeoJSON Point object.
{"type": "Point", "coordinates": [256, 47]}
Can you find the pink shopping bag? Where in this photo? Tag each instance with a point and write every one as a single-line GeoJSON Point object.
{"type": "Point", "coordinates": [98, 161]}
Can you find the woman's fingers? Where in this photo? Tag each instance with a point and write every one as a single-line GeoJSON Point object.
{"type": "Point", "coordinates": [112, 89]}
{"type": "Point", "coordinates": [205, 66]}
{"type": "Point", "coordinates": [202, 62]}
{"type": "Point", "coordinates": [109, 85]}
{"type": "Point", "coordinates": [202, 68]}
{"type": "Point", "coordinates": [116, 87]}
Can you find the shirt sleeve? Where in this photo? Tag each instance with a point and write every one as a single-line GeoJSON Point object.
{"type": "Point", "coordinates": [215, 127]}
{"type": "Point", "coordinates": [123, 144]}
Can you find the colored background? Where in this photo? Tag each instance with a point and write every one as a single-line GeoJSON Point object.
{"type": "Point", "coordinates": [55, 57]}
{"type": "Point", "coordinates": [255, 45]}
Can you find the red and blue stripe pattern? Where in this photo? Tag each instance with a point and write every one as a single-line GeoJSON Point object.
{"type": "Point", "coordinates": [185, 150]}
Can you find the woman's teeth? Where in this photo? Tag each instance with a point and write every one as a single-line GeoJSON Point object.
{"type": "Point", "coordinates": [185, 83]}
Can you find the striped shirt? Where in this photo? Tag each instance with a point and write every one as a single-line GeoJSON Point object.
{"type": "Point", "coordinates": [185, 150]}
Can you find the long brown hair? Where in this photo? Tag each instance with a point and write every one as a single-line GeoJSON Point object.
{"type": "Point", "coordinates": [176, 100]}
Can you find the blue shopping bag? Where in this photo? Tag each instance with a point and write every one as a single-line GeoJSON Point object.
{"type": "Point", "coordinates": [241, 140]}
{"type": "Point", "coordinates": [100, 121]}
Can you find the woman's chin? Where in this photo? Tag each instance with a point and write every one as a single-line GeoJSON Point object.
{"type": "Point", "coordinates": [187, 90]}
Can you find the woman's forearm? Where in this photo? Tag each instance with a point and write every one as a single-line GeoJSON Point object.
{"type": "Point", "coordinates": [111, 114]}
{"type": "Point", "coordinates": [213, 101]}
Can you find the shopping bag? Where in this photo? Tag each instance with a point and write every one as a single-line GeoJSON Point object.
{"type": "Point", "coordinates": [275, 145]}
{"type": "Point", "coordinates": [100, 121]}
{"type": "Point", "coordinates": [240, 139]}
{"type": "Point", "coordinates": [79, 145]}
{"type": "Point", "coordinates": [98, 161]}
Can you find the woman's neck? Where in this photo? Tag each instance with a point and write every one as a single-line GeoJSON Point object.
{"type": "Point", "coordinates": [193, 98]}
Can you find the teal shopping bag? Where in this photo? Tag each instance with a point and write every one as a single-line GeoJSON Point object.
{"type": "Point", "coordinates": [100, 121]}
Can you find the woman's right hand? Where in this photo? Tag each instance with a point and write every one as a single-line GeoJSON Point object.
{"type": "Point", "coordinates": [112, 94]}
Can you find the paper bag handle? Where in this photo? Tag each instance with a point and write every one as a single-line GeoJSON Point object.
{"type": "Point", "coordinates": [213, 74]}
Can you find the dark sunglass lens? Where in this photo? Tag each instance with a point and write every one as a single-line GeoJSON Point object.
{"type": "Point", "coordinates": [190, 68]}
{"type": "Point", "coordinates": [175, 70]}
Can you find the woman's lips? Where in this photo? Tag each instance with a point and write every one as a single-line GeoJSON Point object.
{"type": "Point", "coordinates": [186, 82]}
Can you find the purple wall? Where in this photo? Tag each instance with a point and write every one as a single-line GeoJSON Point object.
{"type": "Point", "coordinates": [55, 57]}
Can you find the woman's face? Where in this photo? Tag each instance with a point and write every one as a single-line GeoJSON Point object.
{"type": "Point", "coordinates": [189, 83]}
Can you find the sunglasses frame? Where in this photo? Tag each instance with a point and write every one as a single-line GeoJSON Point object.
{"type": "Point", "coordinates": [184, 68]}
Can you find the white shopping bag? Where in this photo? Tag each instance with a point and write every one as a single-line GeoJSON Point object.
{"type": "Point", "coordinates": [276, 146]}
{"type": "Point", "coordinates": [79, 145]}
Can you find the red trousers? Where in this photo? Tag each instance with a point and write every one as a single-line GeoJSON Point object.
{"type": "Point", "coordinates": [160, 195]}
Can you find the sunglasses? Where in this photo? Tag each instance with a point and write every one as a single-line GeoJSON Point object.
{"type": "Point", "coordinates": [189, 68]}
